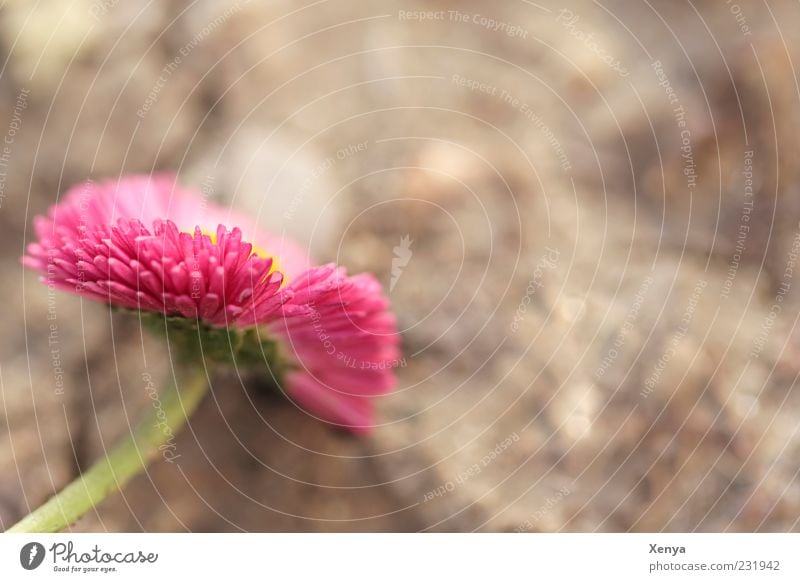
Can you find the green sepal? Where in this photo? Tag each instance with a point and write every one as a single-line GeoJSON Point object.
{"type": "Point", "coordinates": [192, 341]}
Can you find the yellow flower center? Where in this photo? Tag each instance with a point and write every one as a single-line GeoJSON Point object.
{"type": "Point", "coordinates": [254, 251]}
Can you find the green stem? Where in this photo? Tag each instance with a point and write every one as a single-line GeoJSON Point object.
{"type": "Point", "coordinates": [165, 418]}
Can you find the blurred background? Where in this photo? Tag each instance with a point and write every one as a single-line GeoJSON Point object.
{"type": "Point", "coordinates": [593, 209]}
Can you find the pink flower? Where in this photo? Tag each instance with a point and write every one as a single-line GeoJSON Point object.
{"type": "Point", "coordinates": [145, 243]}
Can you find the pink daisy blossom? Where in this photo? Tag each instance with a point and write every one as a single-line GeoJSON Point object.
{"type": "Point", "coordinates": [145, 243]}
